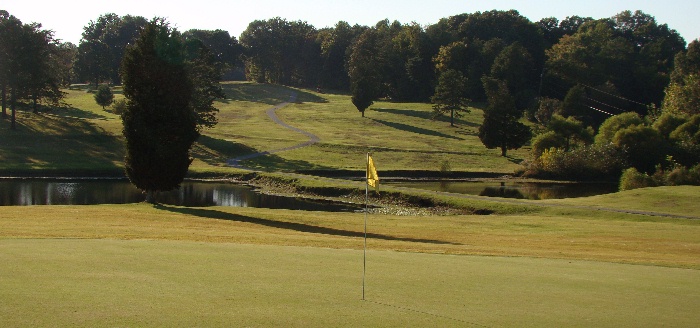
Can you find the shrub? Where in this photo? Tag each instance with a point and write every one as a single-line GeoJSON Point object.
{"type": "Point", "coordinates": [633, 179]}
{"type": "Point", "coordinates": [668, 122]}
{"type": "Point", "coordinates": [104, 96]}
{"type": "Point", "coordinates": [591, 162]}
{"type": "Point", "coordinates": [119, 106]}
{"type": "Point", "coordinates": [645, 146]}
{"type": "Point", "coordinates": [612, 125]}
{"type": "Point", "coordinates": [546, 141]}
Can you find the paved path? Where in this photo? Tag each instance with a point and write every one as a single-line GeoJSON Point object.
{"type": "Point", "coordinates": [272, 113]}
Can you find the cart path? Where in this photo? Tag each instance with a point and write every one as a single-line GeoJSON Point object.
{"type": "Point", "coordinates": [272, 113]}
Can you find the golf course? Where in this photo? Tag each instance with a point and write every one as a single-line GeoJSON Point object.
{"type": "Point", "coordinates": [433, 259]}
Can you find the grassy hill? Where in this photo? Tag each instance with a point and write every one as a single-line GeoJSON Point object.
{"type": "Point", "coordinates": [84, 139]}
{"type": "Point", "coordinates": [601, 261]}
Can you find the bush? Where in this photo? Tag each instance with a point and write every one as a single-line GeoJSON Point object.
{"type": "Point", "coordinates": [104, 96]}
{"type": "Point", "coordinates": [644, 145]}
{"type": "Point", "coordinates": [119, 106]}
{"type": "Point", "coordinates": [592, 162]}
{"type": "Point", "coordinates": [612, 125]}
{"type": "Point", "coordinates": [633, 179]}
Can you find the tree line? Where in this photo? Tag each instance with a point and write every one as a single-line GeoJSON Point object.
{"type": "Point", "coordinates": [575, 72]}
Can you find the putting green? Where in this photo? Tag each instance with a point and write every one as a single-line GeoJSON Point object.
{"type": "Point", "coordinates": [91, 283]}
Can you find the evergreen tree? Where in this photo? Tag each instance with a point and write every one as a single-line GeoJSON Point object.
{"type": "Point", "coordinates": [501, 127]}
{"type": "Point", "coordinates": [449, 95]}
{"type": "Point", "coordinates": [160, 124]}
{"type": "Point", "coordinates": [363, 69]}
{"type": "Point", "coordinates": [104, 96]}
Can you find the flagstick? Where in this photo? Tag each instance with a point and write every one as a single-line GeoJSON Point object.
{"type": "Point", "coordinates": [364, 256]}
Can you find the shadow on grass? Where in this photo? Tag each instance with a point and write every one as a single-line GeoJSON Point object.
{"type": "Point", "coordinates": [217, 152]}
{"type": "Point", "coordinates": [424, 115]}
{"type": "Point", "coordinates": [300, 227]}
{"type": "Point", "coordinates": [414, 129]}
{"type": "Point", "coordinates": [270, 94]}
{"type": "Point", "coordinates": [52, 142]}
{"type": "Point", "coordinates": [63, 110]}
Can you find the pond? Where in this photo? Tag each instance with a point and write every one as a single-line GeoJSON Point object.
{"type": "Point", "coordinates": [118, 191]}
{"type": "Point", "coordinates": [509, 189]}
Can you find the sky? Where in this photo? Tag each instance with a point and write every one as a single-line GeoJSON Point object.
{"type": "Point", "coordinates": [67, 17]}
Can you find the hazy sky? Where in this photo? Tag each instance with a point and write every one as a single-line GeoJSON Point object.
{"type": "Point", "coordinates": [67, 18]}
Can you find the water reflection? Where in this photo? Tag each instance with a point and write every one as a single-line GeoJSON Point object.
{"type": "Point", "coordinates": [195, 194]}
{"type": "Point", "coordinates": [519, 190]}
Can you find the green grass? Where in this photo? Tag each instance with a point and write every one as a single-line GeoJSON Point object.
{"type": "Point", "coordinates": [95, 283]}
{"type": "Point", "coordinates": [402, 136]}
{"type": "Point", "coordinates": [573, 263]}
{"type": "Point", "coordinates": [143, 265]}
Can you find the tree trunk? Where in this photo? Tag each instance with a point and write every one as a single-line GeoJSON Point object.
{"type": "Point", "coordinates": [504, 149]}
{"type": "Point", "coordinates": [34, 105]}
{"type": "Point", "coordinates": [363, 113]}
{"type": "Point", "coordinates": [4, 100]}
{"type": "Point", "coordinates": [452, 117]}
{"type": "Point", "coordinates": [151, 196]}
{"type": "Point", "coordinates": [13, 100]}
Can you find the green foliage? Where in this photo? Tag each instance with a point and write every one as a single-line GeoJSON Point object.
{"type": "Point", "coordinates": [103, 45]}
{"type": "Point", "coordinates": [364, 71]}
{"type": "Point", "coordinates": [667, 123]}
{"type": "Point", "coordinates": [119, 106]}
{"type": "Point", "coordinates": [570, 130]}
{"type": "Point", "coordinates": [547, 107]}
{"type": "Point", "coordinates": [545, 141]}
{"type": "Point", "coordinates": [591, 162]}
{"type": "Point", "coordinates": [160, 125]}
{"type": "Point", "coordinates": [688, 132]}
{"type": "Point", "coordinates": [684, 97]}
{"type": "Point", "coordinates": [633, 179]}
{"type": "Point", "coordinates": [573, 104]}
{"type": "Point", "coordinates": [450, 95]}
{"type": "Point", "coordinates": [644, 146]}
{"type": "Point", "coordinates": [104, 96]}
{"type": "Point", "coordinates": [612, 125]}
{"type": "Point", "coordinates": [675, 175]}
{"type": "Point", "coordinates": [501, 127]}
{"type": "Point", "coordinates": [631, 51]}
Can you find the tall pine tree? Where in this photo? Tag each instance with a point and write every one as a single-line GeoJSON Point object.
{"type": "Point", "coordinates": [160, 124]}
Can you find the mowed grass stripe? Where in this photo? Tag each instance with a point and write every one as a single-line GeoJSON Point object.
{"type": "Point", "coordinates": [93, 283]}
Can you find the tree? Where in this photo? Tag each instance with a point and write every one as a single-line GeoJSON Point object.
{"type": "Point", "coordinates": [629, 51]}
{"type": "Point", "coordinates": [282, 52]}
{"type": "Point", "coordinates": [225, 49]}
{"type": "Point", "coordinates": [449, 95]}
{"type": "Point", "coordinates": [103, 44]}
{"type": "Point", "coordinates": [104, 96]}
{"type": "Point", "coordinates": [363, 69]}
{"type": "Point", "coordinates": [160, 124]}
{"type": "Point", "coordinates": [29, 64]}
{"type": "Point", "coordinates": [501, 127]}
{"type": "Point", "coordinates": [514, 65]}
{"type": "Point", "coordinates": [336, 44]}
{"type": "Point", "coordinates": [570, 130]}
{"type": "Point", "coordinates": [683, 93]}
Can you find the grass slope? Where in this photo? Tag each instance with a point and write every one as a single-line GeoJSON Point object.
{"type": "Point", "coordinates": [84, 138]}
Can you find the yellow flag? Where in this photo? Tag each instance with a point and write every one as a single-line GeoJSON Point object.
{"type": "Point", "coordinates": [372, 177]}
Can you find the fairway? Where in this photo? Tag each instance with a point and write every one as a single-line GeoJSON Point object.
{"type": "Point", "coordinates": [93, 283]}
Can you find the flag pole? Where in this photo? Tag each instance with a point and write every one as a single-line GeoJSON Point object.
{"type": "Point", "coordinates": [364, 255]}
